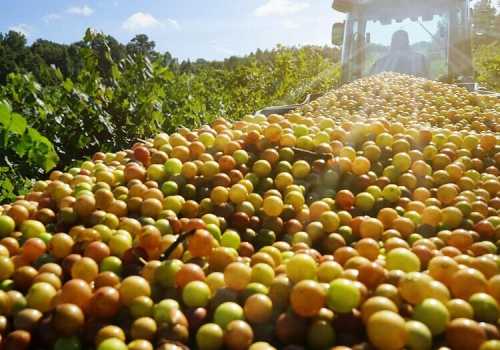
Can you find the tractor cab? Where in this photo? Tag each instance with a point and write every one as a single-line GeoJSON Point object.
{"type": "Point", "coordinates": [439, 33]}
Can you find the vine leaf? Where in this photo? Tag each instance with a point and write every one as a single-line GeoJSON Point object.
{"type": "Point", "coordinates": [17, 124]}
{"type": "Point", "coordinates": [4, 113]}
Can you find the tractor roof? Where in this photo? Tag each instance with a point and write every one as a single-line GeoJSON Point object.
{"type": "Point", "coordinates": [396, 9]}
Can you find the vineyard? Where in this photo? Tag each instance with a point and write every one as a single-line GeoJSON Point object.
{"type": "Point", "coordinates": [111, 102]}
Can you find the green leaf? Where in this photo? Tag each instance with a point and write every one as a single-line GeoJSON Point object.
{"type": "Point", "coordinates": [115, 72]}
{"type": "Point", "coordinates": [166, 74]}
{"type": "Point", "coordinates": [44, 149]}
{"type": "Point", "coordinates": [6, 186]}
{"type": "Point", "coordinates": [107, 56]}
{"type": "Point", "coordinates": [51, 161]}
{"type": "Point", "coordinates": [23, 145]}
{"type": "Point", "coordinates": [4, 113]}
{"type": "Point", "coordinates": [18, 124]}
{"type": "Point", "coordinates": [68, 85]}
{"type": "Point", "coordinates": [34, 135]}
{"type": "Point", "coordinates": [58, 74]}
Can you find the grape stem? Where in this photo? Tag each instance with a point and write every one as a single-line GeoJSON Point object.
{"type": "Point", "coordinates": [180, 239]}
{"type": "Point", "coordinates": [312, 155]}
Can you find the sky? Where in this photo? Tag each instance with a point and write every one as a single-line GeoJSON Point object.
{"type": "Point", "coordinates": [212, 29]}
{"type": "Point", "coordinates": [209, 29]}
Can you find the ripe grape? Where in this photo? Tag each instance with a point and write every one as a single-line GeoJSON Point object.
{"type": "Point", "coordinates": [132, 287]}
{"type": "Point", "coordinates": [258, 308]}
{"type": "Point", "coordinates": [387, 330]}
{"type": "Point", "coordinates": [237, 275]}
{"type": "Point", "coordinates": [307, 298]}
{"type": "Point", "coordinates": [301, 267]}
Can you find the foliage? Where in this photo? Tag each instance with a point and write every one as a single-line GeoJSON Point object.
{"type": "Point", "coordinates": [486, 23]}
{"type": "Point", "coordinates": [487, 63]}
{"type": "Point", "coordinates": [106, 106]}
{"type": "Point", "coordinates": [486, 44]}
{"type": "Point", "coordinates": [25, 153]}
{"type": "Point", "coordinates": [240, 86]}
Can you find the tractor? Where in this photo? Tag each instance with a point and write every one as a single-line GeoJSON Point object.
{"type": "Point", "coordinates": [439, 30]}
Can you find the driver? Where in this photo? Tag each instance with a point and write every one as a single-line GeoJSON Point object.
{"type": "Point", "coordinates": [401, 58]}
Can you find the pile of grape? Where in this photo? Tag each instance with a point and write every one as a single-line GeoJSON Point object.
{"type": "Point", "coordinates": [368, 219]}
{"type": "Point", "coordinates": [410, 101]}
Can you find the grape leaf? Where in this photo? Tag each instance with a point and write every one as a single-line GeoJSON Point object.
{"type": "Point", "coordinates": [17, 124]}
{"type": "Point", "coordinates": [4, 114]}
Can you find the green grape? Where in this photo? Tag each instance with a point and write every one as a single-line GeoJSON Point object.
{"type": "Point", "coordinates": [262, 273]}
{"type": "Point", "coordinates": [196, 294]}
{"type": "Point", "coordinates": [230, 239]}
{"type": "Point", "coordinates": [209, 337]}
{"type": "Point", "coordinates": [112, 344]}
{"type": "Point", "coordinates": [301, 267]}
{"type": "Point", "coordinates": [165, 273]}
{"type": "Point", "coordinates": [433, 314]}
{"type": "Point", "coordinates": [402, 259]}
{"type": "Point", "coordinates": [227, 312]}
{"type": "Point", "coordinates": [111, 263]}
{"type": "Point", "coordinates": [343, 295]}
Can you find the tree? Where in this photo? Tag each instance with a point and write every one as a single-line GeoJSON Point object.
{"type": "Point", "coordinates": [52, 53]}
{"type": "Point", "coordinates": [169, 61]}
{"type": "Point", "coordinates": [15, 41]}
{"type": "Point", "coordinates": [186, 67]}
{"type": "Point", "coordinates": [75, 60]}
{"type": "Point", "coordinates": [45, 53]}
{"type": "Point", "coordinates": [486, 23]}
{"type": "Point", "coordinates": [13, 53]}
{"type": "Point", "coordinates": [141, 44]}
{"type": "Point", "coordinates": [107, 50]}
